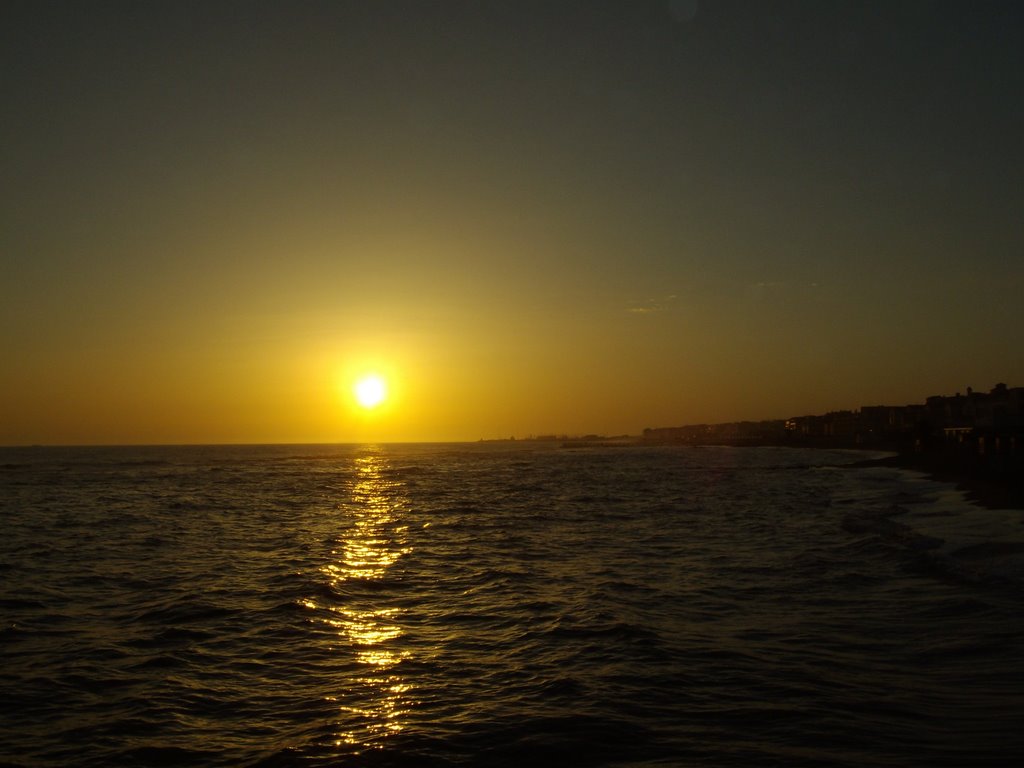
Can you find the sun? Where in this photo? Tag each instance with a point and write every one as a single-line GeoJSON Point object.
{"type": "Point", "coordinates": [370, 391]}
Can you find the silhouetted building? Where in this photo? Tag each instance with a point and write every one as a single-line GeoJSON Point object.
{"type": "Point", "coordinates": [981, 422]}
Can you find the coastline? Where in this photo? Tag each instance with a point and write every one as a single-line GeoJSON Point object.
{"type": "Point", "coordinates": [993, 483]}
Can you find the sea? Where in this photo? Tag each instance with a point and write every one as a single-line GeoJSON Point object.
{"type": "Point", "coordinates": [502, 604]}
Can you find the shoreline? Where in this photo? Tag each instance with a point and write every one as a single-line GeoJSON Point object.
{"type": "Point", "coordinates": [993, 483]}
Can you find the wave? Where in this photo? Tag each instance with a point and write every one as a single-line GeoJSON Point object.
{"type": "Point", "coordinates": [658, 607]}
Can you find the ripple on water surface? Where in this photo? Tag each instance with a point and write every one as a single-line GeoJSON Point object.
{"type": "Point", "coordinates": [495, 604]}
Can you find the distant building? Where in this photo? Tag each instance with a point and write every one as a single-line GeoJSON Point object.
{"type": "Point", "coordinates": [992, 421]}
{"type": "Point", "coordinates": [734, 432]}
{"type": "Point", "coordinates": [1000, 409]}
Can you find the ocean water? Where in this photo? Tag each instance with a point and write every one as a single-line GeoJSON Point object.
{"type": "Point", "coordinates": [501, 604]}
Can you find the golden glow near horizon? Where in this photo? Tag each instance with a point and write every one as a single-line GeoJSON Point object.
{"type": "Point", "coordinates": [469, 238]}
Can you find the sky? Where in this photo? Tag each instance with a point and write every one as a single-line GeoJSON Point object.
{"type": "Point", "coordinates": [528, 217]}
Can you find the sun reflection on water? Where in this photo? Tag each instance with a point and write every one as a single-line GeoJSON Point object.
{"type": "Point", "coordinates": [377, 701]}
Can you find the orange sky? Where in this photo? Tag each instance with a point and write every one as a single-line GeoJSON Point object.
{"type": "Point", "coordinates": [587, 217]}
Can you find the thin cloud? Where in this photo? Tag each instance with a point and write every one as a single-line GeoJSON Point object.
{"type": "Point", "coordinates": [652, 306]}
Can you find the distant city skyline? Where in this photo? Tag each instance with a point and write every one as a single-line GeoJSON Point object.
{"type": "Point", "coordinates": [998, 412]}
{"type": "Point", "coordinates": [523, 217]}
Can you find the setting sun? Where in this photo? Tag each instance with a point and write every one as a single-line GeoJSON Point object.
{"type": "Point", "coordinates": [370, 391]}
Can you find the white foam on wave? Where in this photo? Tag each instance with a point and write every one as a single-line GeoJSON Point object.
{"type": "Point", "coordinates": [988, 540]}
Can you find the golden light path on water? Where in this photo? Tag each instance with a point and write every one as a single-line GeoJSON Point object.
{"type": "Point", "coordinates": [373, 541]}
